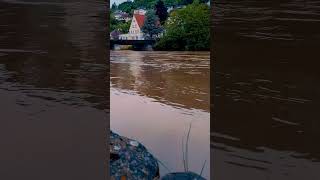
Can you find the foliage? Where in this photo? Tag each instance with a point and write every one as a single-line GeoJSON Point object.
{"type": "Point", "coordinates": [122, 26]}
{"type": "Point", "coordinates": [187, 29]}
{"type": "Point", "coordinates": [185, 2]}
{"type": "Point", "coordinates": [170, 3]}
{"type": "Point", "coordinates": [127, 7]}
{"type": "Point", "coordinates": [151, 26]}
{"type": "Point", "coordinates": [204, 1]}
{"type": "Point", "coordinates": [161, 11]}
{"type": "Point", "coordinates": [113, 22]}
{"type": "Point", "coordinates": [114, 7]}
{"type": "Point", "coordinates": [146, 4]}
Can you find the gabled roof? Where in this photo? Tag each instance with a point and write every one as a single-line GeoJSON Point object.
{"type": "Point", "coordinates": [140, 19]}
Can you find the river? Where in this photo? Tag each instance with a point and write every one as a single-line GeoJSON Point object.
{"type": "Point", "coordinates": [53, 89]}
{"type": "Point", "coordinates": [154, 98]}
{"type": "Point", "coordinates": [266, 96]}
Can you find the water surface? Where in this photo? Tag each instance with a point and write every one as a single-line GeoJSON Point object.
{"type": "Point", "coordinates": [266, 96]}
{"type": "Point", "coordinates": [154, 98]}
{"type": "Point", "coordinates": [53, 89]}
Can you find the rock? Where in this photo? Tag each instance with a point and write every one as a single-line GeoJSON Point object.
{"type": "Point", "coordinates": [130, 160]}
{"type": "Point", "coordinates": [134, 143]}
{"type": "Point", "coordinates": [182, 176]}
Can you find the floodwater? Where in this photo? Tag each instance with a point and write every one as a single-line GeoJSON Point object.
{"type": "Point", "coordinates": [53, 89]}
{"type": "Point", "coordinates": [266, 96]}
{"type": "Point", "coordinates": [154, 98]}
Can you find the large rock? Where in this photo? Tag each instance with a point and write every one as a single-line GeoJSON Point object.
{"type": "Point", "coordinates": [130, 160]}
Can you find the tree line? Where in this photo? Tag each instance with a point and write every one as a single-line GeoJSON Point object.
{"type": "Point", "coordinates": [129, 5]}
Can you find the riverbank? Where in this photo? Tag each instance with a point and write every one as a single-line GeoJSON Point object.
{"type": "Point", "coordinates": [129, 159]}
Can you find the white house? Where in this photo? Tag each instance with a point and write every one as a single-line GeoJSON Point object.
{"type": "Point", "coordinates": [122, 16]}
{"type": "Point", "coordinates": [137, 22]}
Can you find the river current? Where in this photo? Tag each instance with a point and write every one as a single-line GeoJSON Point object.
{"type": "Point", "coordinates": [155, 96]}
{"type": "Point", "coordinates": [53, 89]}
{"type": "Point", "coordinates": [266, 91]}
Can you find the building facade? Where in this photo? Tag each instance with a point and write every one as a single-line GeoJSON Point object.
{"type": "Point", "coordinates": [137, 22]}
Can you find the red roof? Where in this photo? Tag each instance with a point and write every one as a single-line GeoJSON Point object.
{"type": "Point", "coordinates": [140, 19]}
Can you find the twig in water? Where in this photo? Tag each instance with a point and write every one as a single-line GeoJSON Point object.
{"type": "Point", "coordinates": [169, 171]}
{"type": "Point", "coordinates": [183, 160]}
{"type": "Point", "coordinates": [203, 167]}
{"type": "Point", "coordinates": [187, 143]}
{"type": "Point", "coordinates": [163, 165]}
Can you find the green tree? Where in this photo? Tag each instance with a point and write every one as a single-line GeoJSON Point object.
{"type": "Point", "coordinates": [187, 29]}
{"type": "Point", "coordinates": [161, 11]}
{"type": "Point", "coordinates": [123, 27]}
{"type": "Point", "coordinates": [147, 4]}
{"type": "Point", "coordinates": [127, 7]}
{"type": "Point", "coordinates": [151, 25]}
{"type": "Point", "coordinates": [114, 7]}
{"type": "Point", "coordinates": [170, 3]}
{"type": "Point", "coordinates": [113, 22]}
{"type": "Point", "coordinates": [204, 1]}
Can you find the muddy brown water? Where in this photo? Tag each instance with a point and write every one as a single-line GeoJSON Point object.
{"type": "Point", "coordinates": [53, 99]}
{"type": "Point", "coordinates": [155, 96]}
{"type": "Point", "coordinates": [53, 89]}
{"type": "Point", "coordinates": [266, 95]}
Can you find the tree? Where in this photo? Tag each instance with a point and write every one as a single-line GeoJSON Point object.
{"type": "Point", "coordinates": [161, 11]}
{"type": "Point", "coordinates": [185, 2]}
{"type": "Point", "coordinates": [147, 4]}
{"type": "Point", "coordinates": [171, 3]}
{"type": "Point", "coordinates": [127, 7]}
{"type": "Point", "coordinates": [122, 26]}
{"type": "Point", "coordinates": [114, 7]}
{"type": "Point", "coordinates": [204, 1]}
{"type": "Point", "coordinates": [151, 25]}
{"type": "Point", "coordinates": [113, 22]}
{"type": "Point", "coordinates": [187, 29]}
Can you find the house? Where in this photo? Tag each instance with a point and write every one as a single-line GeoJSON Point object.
{"type": "Point", "coordinates": [137, 22]}
{"type": "Point", "coordinates": [122, 16]}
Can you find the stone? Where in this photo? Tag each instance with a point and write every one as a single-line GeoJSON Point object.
{"type": "Point", "coordinates": [134, 143]}
{"type": "Point", "coordinates": [130, 160]}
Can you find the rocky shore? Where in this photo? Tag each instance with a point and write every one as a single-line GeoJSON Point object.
{"type": "Point", "coordinates": [130, 160]}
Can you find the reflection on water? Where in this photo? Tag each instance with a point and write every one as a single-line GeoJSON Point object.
{"type": "Point", "coordinates": [266, 96]}
{"type": "Point", "coordinates": [53, 95]}
{"type": "Point", "coordinates": [154, 97]}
